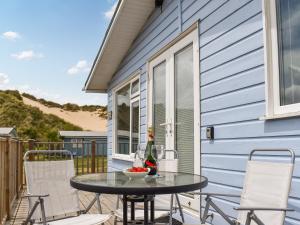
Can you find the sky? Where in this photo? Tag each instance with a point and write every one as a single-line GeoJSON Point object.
{"type": "Point", "coordinates": [47, 47]}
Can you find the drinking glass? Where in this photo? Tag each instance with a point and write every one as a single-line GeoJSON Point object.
{"type": "Point", "coordinates": [158, 152]}
{"type": "Point", "coordinates": [141, 152]}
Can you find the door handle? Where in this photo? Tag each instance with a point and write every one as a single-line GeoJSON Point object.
{"type": "Point", "coordinates": [165, 124]}
{"type": "Point", "coordinates": [168, 127]}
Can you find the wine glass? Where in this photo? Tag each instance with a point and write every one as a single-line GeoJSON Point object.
{"type": "Point", "coordinates": [141, 152]}
{"type": "Point", "coordinates": [158, 152]}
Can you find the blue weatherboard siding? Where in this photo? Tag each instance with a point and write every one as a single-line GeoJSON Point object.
{"type": "Point", "coordinates": [232, 90]}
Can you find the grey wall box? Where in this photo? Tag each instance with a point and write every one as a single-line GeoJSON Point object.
{"type": "Point", "coordinates": [210, 134]}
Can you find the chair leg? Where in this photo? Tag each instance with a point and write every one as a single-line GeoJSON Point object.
{"type": "Point", "coordinates": [251, 216]}
{"type": "Point", "coordinates": [43, 211]}
{"type": "Point", "coordinates": [98, 203]}
{"type": "Point", "coordinates": [28, 219]}
{"type": "Point", "coordinates": [118, 205]}
{"type": "Point", "coordinates": [248, 220]}
{"type": "Point", "coordinates": [180, 208]}
{"type": "Point", "coordinates": [171, 209]}
{"type": "Point", "coordinates": [91, 204]}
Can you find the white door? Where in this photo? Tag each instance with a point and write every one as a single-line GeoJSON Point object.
{"type": "Point", "coordinates": [174, 109]}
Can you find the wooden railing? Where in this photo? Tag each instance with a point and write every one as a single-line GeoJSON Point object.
{"type": "Point", "coordinates": [89, 156]}
{"type": "Point", "coordinates": [11, 175]}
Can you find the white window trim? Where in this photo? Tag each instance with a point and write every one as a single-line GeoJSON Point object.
{"type": "Point", "coordinates": [273, 108]}
{"type": "Point", "coordinates": [134, 98]}
{"type": "Point", "coordinates": [190, 36]}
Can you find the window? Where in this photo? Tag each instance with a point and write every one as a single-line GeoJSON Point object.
{"type": "Point", "coordinates": [127, 118]}
{"type": "Point", "coordinates": [76, 143]}
{"type": "Point", "coordinates": [282, 27]}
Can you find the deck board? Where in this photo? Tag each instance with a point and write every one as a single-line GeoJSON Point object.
{"type": "Point", "coordinates": [108, 203]}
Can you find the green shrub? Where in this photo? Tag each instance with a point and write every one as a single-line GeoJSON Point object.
{"type": "Point", "coordinates": [71, 107]}
{"type": "Point", "coordinates": [30, 122]}
{"type": "Point", "coordinates": [15, 93]}
{"type": "Point", "coordinates": [26, 95]}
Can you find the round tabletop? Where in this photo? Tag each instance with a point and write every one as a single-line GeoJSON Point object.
{"type": "Point", "coordinates": [119, 183]}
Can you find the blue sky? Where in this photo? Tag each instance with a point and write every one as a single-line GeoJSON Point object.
{"type": "Point", "coordinates": [48, 46]}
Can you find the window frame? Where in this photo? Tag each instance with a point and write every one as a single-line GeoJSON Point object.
{"type": "Point", "coordinates": [133, 98]}
{"type": "Point", "coordinates": [272, 74]}
{"type": "Point", "coordinates": [167, 54]}
{"type": "Point", "coordinates": [77, 143]}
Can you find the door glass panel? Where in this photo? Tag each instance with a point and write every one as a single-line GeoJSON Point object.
{"type": "Point", "coordinates": [123, 119]}
{"type": "Point", "coordinates": [134, 126]}
{"type": "Point", "coordinates": [184, 109]}
{"type": "Point", "coordinates": [159, 102]}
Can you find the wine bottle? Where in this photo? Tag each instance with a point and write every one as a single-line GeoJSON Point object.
{"type": "Point", "coordinates": [150, 161]}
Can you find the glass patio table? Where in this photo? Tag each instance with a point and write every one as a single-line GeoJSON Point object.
{"type": "Point", "coordinates": [118, 183]}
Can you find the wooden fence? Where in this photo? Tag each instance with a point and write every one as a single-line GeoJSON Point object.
{"type": "Point", "coordinates": [89, 156]}
{"type": "Point", "coordinates": [11, 175]}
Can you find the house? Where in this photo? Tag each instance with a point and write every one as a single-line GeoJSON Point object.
{"type": "Point", "coordinates": [8, 132]}
{"type": "Point", "coordinates": [79, 142]}
{"type": "Point", "coordinates": [215, 78]}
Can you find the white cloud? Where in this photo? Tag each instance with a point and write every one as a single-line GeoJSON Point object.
{"type": "Point", "coordinates": [109, 14]}
{"type": "Point", "coordinates": [3, 79]}
{"type": "Point", "coordinates": [81, 66]}
{"type": "Point", "coordinates": [27, 55]}
{"type": "Point", "coordinates": [11, 35]}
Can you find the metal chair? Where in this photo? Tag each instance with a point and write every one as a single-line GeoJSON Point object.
{"type": "Point", "coordinates": [160, 211]}
{"type": "Point", "coordinates": [264, 198]}
{"type": "Point", "coordinates": [50, 195]}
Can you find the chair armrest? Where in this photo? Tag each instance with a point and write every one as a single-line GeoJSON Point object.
{"type": "Point", "coordinates": [214, 194]}
{"type": "Point", "coordinates": [35, 196]}
{"type": "Point", "coordinates": [263, 209]}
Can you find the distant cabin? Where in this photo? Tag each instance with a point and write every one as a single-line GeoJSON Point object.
{"type": "Point", "coordinates": [79, 142]}
{"type": "Point", "coordinates": [8, 132]}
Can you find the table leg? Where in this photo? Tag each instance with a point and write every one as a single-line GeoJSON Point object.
{"type": "Point", "coordinates": [171, 209]}
{"type": "Point", "coordinates": [146, 210]}
{"type": "Point", "coordinates": [132, 211]}
{"type": "Point", "coordinates": [125, 209]}
{"type": "Point", "coordinates": [152, 210]}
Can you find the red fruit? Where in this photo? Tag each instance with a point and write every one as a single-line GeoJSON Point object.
{"type": "Point", "coordinates": [137, 169]}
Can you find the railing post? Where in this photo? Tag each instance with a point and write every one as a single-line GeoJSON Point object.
{"type": "Point", "coordinates": [93, 156]}
{"type": "Point", "coordinates": [21, 164]}
{"type": "Point", "coordinates": [7, 177]}
{"type": "Point", "coordinates": [17, 169]}
{"type": "Point", "coordinates": [103, 157]}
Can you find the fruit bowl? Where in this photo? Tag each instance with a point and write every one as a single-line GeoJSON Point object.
{"type": "Point", "coordinates": [136, 172]}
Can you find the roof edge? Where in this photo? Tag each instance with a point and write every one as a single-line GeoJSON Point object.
{"type": "Point", "coordinates": [117, 10]}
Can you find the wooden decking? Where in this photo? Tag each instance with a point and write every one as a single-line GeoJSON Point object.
{"type": "Point", "coordinates": [108, 203]}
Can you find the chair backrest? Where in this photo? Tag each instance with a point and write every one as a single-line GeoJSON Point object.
{"type": "Point", "coordinates": [267, 184]}
{"type": "Point", "coordinates": [51, 176]}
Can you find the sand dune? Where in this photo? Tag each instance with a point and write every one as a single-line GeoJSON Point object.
{"type": "Point", "coordinates": [85, 120]}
